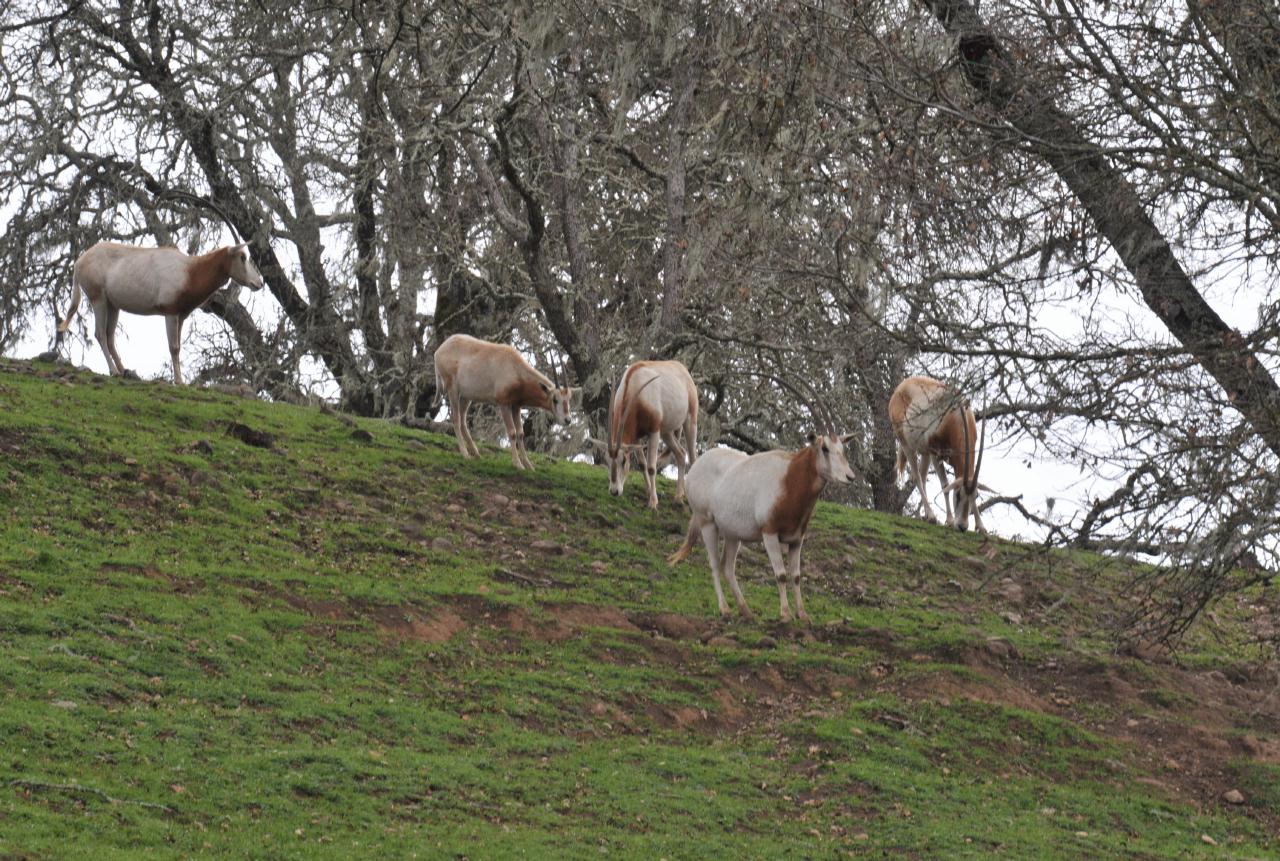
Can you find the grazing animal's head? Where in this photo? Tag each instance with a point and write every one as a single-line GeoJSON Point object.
{"type": "Point", "coordinates": [559, 394]}
{"type": "Point", "coordinates": [964, 488]}
{"type": "Point", "coordinates": [831, 462]}
{"type": "Point", "coordinates": [242, 269]}
{"type": "Point", "coordinates": [618, 452]}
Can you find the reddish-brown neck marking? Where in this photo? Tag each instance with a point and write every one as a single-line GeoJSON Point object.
{"type": "Point", "coordinates": [525, 393]}
{"type": "Point", "coordinates": [801, 484]}
{"type": "Point", "coordinates": [636, 421]}
{"type": "Point", "coordinates": [205, 274]}
{"type": "Point", "coordinates": [949, 444]}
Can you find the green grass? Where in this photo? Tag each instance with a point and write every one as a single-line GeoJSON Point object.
{"type": "Point", "coordinates": [341, 648]}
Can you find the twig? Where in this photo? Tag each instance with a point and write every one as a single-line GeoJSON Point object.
{"type": "Point", "coordinates": [77, 789]}
{"type": "Point", "coordinates": [507, 574]}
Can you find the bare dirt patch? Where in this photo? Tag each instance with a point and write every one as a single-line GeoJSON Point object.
{"type": "Point", "coordinates": [439, 626]}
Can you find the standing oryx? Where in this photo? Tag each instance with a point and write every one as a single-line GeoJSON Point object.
{"type": "Point", "coordinates": [469, 369]}
{"type": "Point", "coordinates": [654, 400]}
{"type": "Point", "coordinates": [933, 425]}
{"type": "Point", "coordinates": [765, 497]}
{"type": "Point", "coordinates": [164, 281]}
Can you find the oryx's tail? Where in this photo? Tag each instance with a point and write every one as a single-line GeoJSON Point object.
{"type": "Point", "coordinates": [689, 540]}
{"type": "Point", "coordinates": [439, 398]}
{"type": "Point", "coordinates": [73, 310]}
{"type": "Point", "coordinates": [902, 462]}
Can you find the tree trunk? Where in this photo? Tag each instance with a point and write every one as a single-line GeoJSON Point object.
{"type": "Point", "coordinates": [1116, 209]}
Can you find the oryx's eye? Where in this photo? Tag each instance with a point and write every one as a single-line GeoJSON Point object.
{"type": "Point", "coordinates": [825, 450]}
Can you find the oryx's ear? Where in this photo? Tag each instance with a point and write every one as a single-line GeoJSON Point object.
{"type": "Point", "coordinates": [547, 387]}
{"type": "Point", "coordinates": [847, 438]}
{"type": "Point", "coordinates": [812, 437]}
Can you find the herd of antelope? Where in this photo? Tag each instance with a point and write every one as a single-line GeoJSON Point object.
{"type": "Point", "coordinates": [767, 497]}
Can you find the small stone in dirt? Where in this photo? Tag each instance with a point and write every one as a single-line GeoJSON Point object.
{"type": "Point", "coordinates": [547, 546]}
{"type": "Point", "coordinates": [203, 446]}
{"type": "Point", "coordinates": [722, 642]}
{"type": "Point", "coordinates": [499, 500]}
{"type": "Point", "coordinates": [675, 626]}
{"type": "Point", "coordinates": [249, 436]}
{"type": "Point", "coordinates": [63, 704]}
{"type": "Point", "coordinates": [441, 543]}
{"type": "Point", "coordinates": [893, 721]}
{"type": "Point", "coordinates": [1000, 648]}
{"type": "Point", "coordinates": [767, 642]}
{"type": "Point", "coordinates": [599, 566]}
{"type": "Point", "coordinates": [1207, 839]}
{"type": "Point", "coordinates": [416, 443]}
{"type": "Point", "coordinates": [454, 508]}
{"type": "Point", "coordinates": [129, 461]}
{"type": "Point", "coordinates": [1011, 617]}
{"type": "Point", "coordinates": [361, 435]}
{"type": "Point", "coordinates": [1010, 590]}
{"type": "Point", "coordinates": [1233, 796]}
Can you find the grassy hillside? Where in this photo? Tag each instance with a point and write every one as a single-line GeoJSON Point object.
{"type": "Point", "coordinates": [355, 644]}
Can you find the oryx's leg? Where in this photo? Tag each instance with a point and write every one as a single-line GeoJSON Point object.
{"type": "Point", "coordinates": [793, 569]}
{"type": "Point", "coordinates": [941, 472]}
{"type": "Point", "coordinates": [113, 325]}
{"type": "Point", "coordinates": [101, 316]}
{"type": "Point", "coordinates": [920, 471]}
{"type": "Point", "coordinates": [513, 434]}
{"type": "Point", "coordinates": [776, 558]}
{"type": "Point", "coordinates": [466, 429]}
{"type": "Point", "coordinates": [729, 565]}
{"type": "Point", "coordinates": [977, 518]}
{"type": "Point", "coordinates": [691, 440]}
{"type": "Point", "coordinates": [677, 451]}
{"type": "Point", "coordinates": [524, 452]}
{"type": "Point", "coordinates": [711, 538]}
{"type": "Point", "coordinates": [173, 328]}
{"type": "Point", "coordinates": [651, 471]}
{"type": "Point", "coordinates": [458, 409]}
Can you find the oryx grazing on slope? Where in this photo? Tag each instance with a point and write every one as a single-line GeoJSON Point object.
{"type": "Point", "coordinates": [934, 425]}
{"type": "Point", "coordinates": [654, 400]}
{"type": "Point", "coordinates": [766, 497]}
{"type": "Point", "coordinates": [469, 369]}
{"type": "Point", "coordinates": [139, 280]}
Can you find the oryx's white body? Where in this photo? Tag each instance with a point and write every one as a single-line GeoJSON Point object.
{"type": "Point", "coordinates": [469, 369]}
{"type": "Point", "coordinates": [165, 281]}
{"type": "Point", "coordinates": [654, 400]}
{"type": "Point", "coordinates": [933, 426]}
{"type": "Point", "coordinates": [766, 497]}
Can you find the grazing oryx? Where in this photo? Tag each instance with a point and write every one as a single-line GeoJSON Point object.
{"type": "Point", "coordinates": [933, 425]}
{"type": "Point", "coordinates": [765, 497]}
{"type": "Point", "coordinates": [654, 400]}
{"type": "Point", "coordinates": [151, 281]}
{"type": "Point", "coordinates": [469, 369]}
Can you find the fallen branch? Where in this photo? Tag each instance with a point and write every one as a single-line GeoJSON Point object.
{"type": "Point", "coordinates": [77, 789]}
{"type": "Point", "coordinates": [507, 574]}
